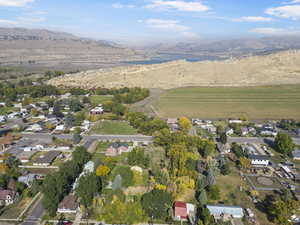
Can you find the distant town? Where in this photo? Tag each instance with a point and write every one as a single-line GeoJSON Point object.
{"type": "Point", "coordinates": [75, 156]}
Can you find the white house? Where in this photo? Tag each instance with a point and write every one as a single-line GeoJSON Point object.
{"type": "Point", "coordinates": [235, 121]}
{"type": "Point", "coordinates": [60, 128]}
{"type": "Point", "coordinates": [97, 110]}
{"type": "Point", "coordinates": [2, 119]}
{"type": "Point", "coordinates": [35, 128]}
{"type": "Point", "coordinates": [229, 131]}
{"type": "Point", "coordinates": [259, 160]}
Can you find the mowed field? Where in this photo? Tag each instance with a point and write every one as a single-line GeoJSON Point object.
{"type": "Point", "coordinates": [270, 102]}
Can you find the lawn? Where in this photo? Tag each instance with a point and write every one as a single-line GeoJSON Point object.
{"type": "Point", "coordinates": [99, 99]}
{"type": "Point", "coordinates": [270, 102]}
{"type": "Point", "coordinates": [113, 127]}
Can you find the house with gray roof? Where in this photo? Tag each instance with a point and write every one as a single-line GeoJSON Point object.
{"type": "Point", "coordinates": [296, 154]}
{"type": "Point", "coordinates": [225, 212]}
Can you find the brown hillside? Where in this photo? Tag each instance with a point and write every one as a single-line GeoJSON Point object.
{"type": "Point", "coordinates": [279, 68]}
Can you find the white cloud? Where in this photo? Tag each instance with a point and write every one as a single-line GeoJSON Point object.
{"type": "Point", "coordinates": [121, 6]}
{"type": "Point", "coordinates": [253, 19]}
{"type": "Point", "coordinates": [292, 2]}
{"type": "Point", "coordinates": [15, 3]}
{"type": "Point", "coordinates": [275, 31]}
{"type": "Point", "coordinates": [178, 5]}
{"type": "Point", "coordinates": [8, 22]}
{"type": "Point", "coordinates": [288, 11]}
{"type": "Point", "coordinates": [190, 35]}
{"type": "Point", "coordinates": [172, 25]}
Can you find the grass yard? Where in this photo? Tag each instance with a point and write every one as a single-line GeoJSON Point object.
{"type": "Point", "coordinates": [270, 102]}
{"type": "Point", "coordinates": [113, 127]}
{"type": "Point", "coordinates": [99, 99]}
{"type": "Point", "coordinates": [14, 210]}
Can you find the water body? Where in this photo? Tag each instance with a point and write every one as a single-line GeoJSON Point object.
{"type": "Point", "coordinates": [168, 57]}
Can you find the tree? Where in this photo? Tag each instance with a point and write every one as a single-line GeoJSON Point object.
{"type": "Point", "coordinates": [202, 197]}
{"type": "Point", "coordinates": [214, 192]}
{"type": "Point", "coordinates": [210, 177]}
{"type": "Point", "coordinates": [75, 105]}
{"type": "Point", "coordinates": [284, 143]}
{"type": "Point", "coordinates": [88, 186]}
{"type": "Point", "coordinates": [138, 157]}
{"type": "Point", "coordinates": [185, 124]}
{"type": "Point", "coordinates": [204, 216]}
{"type": "Point", "coordinates": [178, 157]}
{"type": "Point", "coordinates": [77, 138]}
{"type": "Point", "coordinates": [57, 110]}
{"type": "Point", "coordinates": [220, 130]}
{"type": "Point", "coordinates": [245, 163]}
{"type": "Point", "coordinates": [86, 100]}
{"type": "Point", "coordinates": [237, 150]}
{"type": "Point", "coordinates": [34, 112]}
{"type": "Point", "coordinates": [69, 120]}
{"type": "Point", "coordinates": [209, 148]}
{"type": "Point", "coordinates": [102, 171]}
{"type": "Point", "coordinates": [223, 138]}
{"type": "Point", "coordinates": [80, 155]}
{"type": "Point", "coordinates": [225, 169]}
{"type": "Point", "coordinates": [281, 211]}
{"type": "Point", "coordinates": [157, 203]}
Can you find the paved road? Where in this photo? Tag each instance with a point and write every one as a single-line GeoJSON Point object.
{"type": "Point", "coordinates": [35, 214]}
{"type": "Point", "coordinates": [261, 140]}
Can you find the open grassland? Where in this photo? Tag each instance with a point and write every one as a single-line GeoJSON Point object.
{"type": "Point", "coordinates": [269, 102]}
{"type": "Point", "coordinates": [113, 127]}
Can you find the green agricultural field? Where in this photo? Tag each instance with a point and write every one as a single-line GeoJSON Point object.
{"type": "Point", "coordinates": [271, 102]}
{"type": "Point", "coordinates": [113, 127]}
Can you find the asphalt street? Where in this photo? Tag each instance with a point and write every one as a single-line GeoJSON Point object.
{"type": "Point", "coordinates": [35, 214]}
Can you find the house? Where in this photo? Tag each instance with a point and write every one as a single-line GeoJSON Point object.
{"type": "Point", "coordinates": [259, 160]}
{"type": "Point", "coordinates": [34, 128]}
{"type": "Point", "coordinates": [117, 149]}
{"type": "Point", "coordinates": [245, 131]}
{"type": "Point", "coordinates": [59, 128]}
{"type": "Point", "coordinates": [2, 119]}
{"type": "Point", "coordinates": [7, 197]}
{"type": "Point", "coordinates": [184, 211]}
{"type": "Point", "coordinates": [296, 154]}
{"type": "Point", "coordinates": [223, 148]}
{"type": "Point", "coordinates": [236, 121]}
{"type": "Point", "coordinates": [97, 110]}
{"type": "Point", "coordinates": [224, 212]}
{"type": "Point", "coordinates": [25, 157]}
{"type": "Point", "coordinates": [171, 121]}
{"type": "Point", "coordinates": [27, 179]}
{"type": "Point", "coordinates": [229, 131]}
{"type": "Point", "coordinates": [47, 159]}
{"type": "Point", "coordinates": [68, 205]}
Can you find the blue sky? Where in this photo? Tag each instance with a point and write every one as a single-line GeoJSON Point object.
{"type": "Point", "coordinates": [154, 20]}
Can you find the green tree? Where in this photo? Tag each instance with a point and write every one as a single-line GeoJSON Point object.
{"type": "Point", "coordinates": [80, 155]}
{"type": "Point", "coordinates": [157, 203]}
{"type": "Point", "coordinates": [202, 198]}
{"type": "Point", "coordinates": [88, 186]}
{"type": "Point", "coordinates": [75, 105]}
{"type": "Point", "coordinates": [223, 138]}
{"type": "Point", "coordinates": [214, 192]}
{"type": "Point", "coordinates": [284, 143]}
